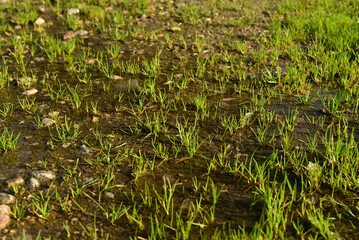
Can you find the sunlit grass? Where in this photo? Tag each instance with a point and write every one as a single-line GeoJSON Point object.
{"type": "Point", "coordinates": [187, 120]}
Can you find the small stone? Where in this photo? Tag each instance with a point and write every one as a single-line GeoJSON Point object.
{"type": "Point", "coordinates": [95, 119]}
{"type": "Point", "coordinates": [168, 83]}
{"type": "Point", "coordinates": [209, 20]}
{"type": "Point", "coordinates": [66, 145]}
{"type": "Point", "coordinates": [90, 61]}
{"type": "Point", "coordinates": [14, 182]}
{"type": "Point", "coordinates": [4, 221]}
{"type": "Point", "coordinates": [31, 219]}
{"type": "Point", "coordinates": [142, 16]}
{"type": "Point", "coordinates": [84, 149]}
{"type": "Point", "coordinates": [178, 75]}
{"type": "Point", "coordinates": [81, 33]}
{"type": "Point", "coordinates": [110, 195]}
{"type": "Point", "coordinates": [5, 209]}
{"type": "Point", "coordinates": [30, 92]}
{"type": "Point", "coordinates": [54, 114]}
{"type": "Point", "coordinates": [116, 77]}
{"type": "Point", "coordinates": [42, 9]}
{"type": "Point", "coordinates": [17, 27]}
{"type": "Point", "coordinates": [6, 198]}
{"type": "Point", "coordinates": [47, 122]}
{"type": "Point", "coordinates": [33, 183]}
{"type": "Point", "coordinates": [44, 175]}
{"type": "Point", "coordinates": [39, 21]}
{"type": "Point", "coordinates": [68, 35]}
{"type": "Point", "coordinates": [175, 29]}
{"type": "Point", "coordinates": [88, 179]}
{"type": "Point", "coordinates": [39, 59]}
{"type": "Point", "coordinates": [73, 11]}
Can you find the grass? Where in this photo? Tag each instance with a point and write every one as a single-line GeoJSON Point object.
{"type": "Point", "coordinates": [203, 120]}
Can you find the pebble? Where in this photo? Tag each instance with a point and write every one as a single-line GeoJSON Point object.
{"type": "Point", "coordinates": [33, 183]}
{"type": "Point", "coordinates": [95, 119]}
{"type": "Point", "coordinates": [6, 198]}
{"type": "Point", "coordinates": [39, 21]}
{"type": "Point", "coordinates": [73, 11]}
{"type": "Point", "coordinates": [39, 59]}
{"type": "Point", "coordinates": [81, 33]}
{"type": "Point", "coordinates": [4, 221]}
{"type": "Point", "coordinates": [68, 35]}
{"type": "Point", "coordinates": [53, 114]}
{"type": "Point", "coordinates": [90, 61]}
{"type": "Point", "coordinates": [84, 149]}
{"type": "Point", "coordinates": [47, 122]}
{"type": "Point", "coordinates": [116, 77]}
{"type": "Point", "coordinates": [30, 92]}
{"type": "Point", "coordinates": [142, 16]}
{"type": "Point", "coordinates": [175, 29]}
{"type": "Point", "coordinates": [14, 182]}
{"type": "Point", "coordinates": [168, 83]}
{"type": "Point", "coordinates": [17, 27]}
{"type": "Point", "coordinates": [110, 195]}
{"type": "Point", "coordinates": [66, 145]}
{"type": "Point", "coordinates": [42, 9]}
{"type": "Point", "coordinates": [5, 209]}
{"type": "Point", "coordinates": [88, 179]}
{"type": "Point", "coordinates": [43, 175]}
{"type": "Point", "coordinates": [178, 75]}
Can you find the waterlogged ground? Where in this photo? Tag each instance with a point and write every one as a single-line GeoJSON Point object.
{"type": "Point", "coordinates": [179, 120]}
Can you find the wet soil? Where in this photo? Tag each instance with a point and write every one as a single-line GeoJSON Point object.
{"type": "Point", "coordinates": [121, 135]}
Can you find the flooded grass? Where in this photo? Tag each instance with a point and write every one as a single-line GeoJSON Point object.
{"type": "Point", "coordinates": [179, 120]}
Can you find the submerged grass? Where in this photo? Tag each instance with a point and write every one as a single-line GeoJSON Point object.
{"type": "Point", "coordinates": [187, 120]}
